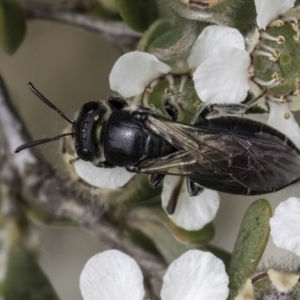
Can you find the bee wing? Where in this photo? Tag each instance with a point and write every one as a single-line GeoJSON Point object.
{"type": "Point", "coordinates": [236, 163]}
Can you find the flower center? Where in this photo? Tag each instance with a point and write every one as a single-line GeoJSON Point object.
{"type": "Point", "coordinates": [276, 58]}
{"type": "Point", "coordinates": [176, 91]}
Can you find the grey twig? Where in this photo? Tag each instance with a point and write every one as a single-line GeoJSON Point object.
{"type": "Point", "coordinates": [116, 32]}
{"type": "Point", "coordinates": [42, 189]}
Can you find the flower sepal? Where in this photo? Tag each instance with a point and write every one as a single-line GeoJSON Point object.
{"type": "Point", "coordinates": [169, 239]}
{"type": "Point", "coordinates": [170, 41]}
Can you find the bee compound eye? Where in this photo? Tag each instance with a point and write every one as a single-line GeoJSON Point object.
{"type": "Point", "coordinates": [89, 107]}
{"type": "Point", "coordinates": [84, 154]}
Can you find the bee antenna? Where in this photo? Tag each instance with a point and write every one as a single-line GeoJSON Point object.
{"type": "Point", "coordinates": [46, 101]}
{"type": "Point", "coordinates": [39, 142]}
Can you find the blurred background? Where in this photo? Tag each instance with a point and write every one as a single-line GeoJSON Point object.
{"type": "Point", "coordinates": [70, 67]}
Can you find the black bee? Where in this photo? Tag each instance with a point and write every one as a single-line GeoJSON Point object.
{"type": "Point", "coordinates": [221, 151]}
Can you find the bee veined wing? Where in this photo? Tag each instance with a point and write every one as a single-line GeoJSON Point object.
{"type": "Point", "coordinates": [232, 155]}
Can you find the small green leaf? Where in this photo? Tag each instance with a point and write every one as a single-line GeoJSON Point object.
{"type": "Point", "coordinates": [170, 240]}
{"type": "Point", "coordinates": [142, 240]}
{"type": "Point", "coordinates": [244, 15]}
{"type": "Point", "coordinates": [110, 5]}
{"type": "Point", "coordinates": [103, 12]}
{"type": "Point", "coordinates": [12, 25]}
{"type": "Point", "coordinates": [25, 279]}
{"type": "Point", "coordinates": [196, 237]}
{"type": "Point", "coordinates": [251, 243]}
{"type": "Point", "coordinates": [147, 221]}
{"type": "Point", "coordinates": [193, 237]}
{"type": "Point", "coordinates": [139, 15]}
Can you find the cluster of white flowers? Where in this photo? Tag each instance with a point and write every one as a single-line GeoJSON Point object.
{"type": "Point", "coordinates": [219, 65]}
{"type": "Point", "coordinates": [113, 275]}
{"type": "Point", "coordinates": [196, 275]}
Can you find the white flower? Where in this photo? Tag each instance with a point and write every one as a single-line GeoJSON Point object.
{"type": "Point", "coordinates": [133, 72]}
{"type": "Point", "coordinates": [218, 59]}
{"type": "Point", "coordinates": [283, 120]}
{"type": "Point", "coordinates": [111, 275]}
{"type": "Point", "coordinates": [221, 65]}
{"type": "Point", "coordinates": [196, 275]}
{"type": "Point", "coordinates": [100, 177]}
{"type": "Point", "coordinates": [191, 213]}
{"type": "Point", "coordinates": [269, 10]}
{"type": "Point", "coordinates": [285, 225]}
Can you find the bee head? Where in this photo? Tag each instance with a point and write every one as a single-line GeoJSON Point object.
{"type": "Point", "coordinates": [86, 130]}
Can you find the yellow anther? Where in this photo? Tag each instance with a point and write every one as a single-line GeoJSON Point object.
{"type": "Point", "coordinates": [287, 115]}
{"type": "Point", "coordinates": [295, 26]}
{"type": "Point", "coordinates": [279, 23]}
{"type": "Point", "coordinates": [282, 99]}
{"type": "Point", "coordinates": [275, 75]}
{"type": "Point", "coordinates": [149, 89]}
{"type": "Point", "coordinates": [168, 92]}
{"type": "Point", "coordinates": [273, 59]}
{"type": "Point", "coordinates": [280, 39]}
{"type": "Point", "coordinates": [296, 92]}
{"type": "Point", "coordinates": [275, 55]}
{"type": "Point", "coordinates": [296, 39]}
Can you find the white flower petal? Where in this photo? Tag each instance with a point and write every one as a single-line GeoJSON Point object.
{"type": "Point", "coordinates": [111, 275]}
{"type": "Point", "coordinates": [277, 119]}
{"type": "Point", "coordinates": [211, 39]}
{"type": "Point", "coordinates": [285, 226]}
{"type": "Point", "coordinates": [192, 213]}
{"type": "Point", "coordinates": [195, 275]}
{"type": "Point", "coordinates": [133, 72]}
{"type": "Point", "coordinates": [269, 10]}
{"type": "Point", "coordinates": [223, 77]}
{"type": "Point", "coordinates": [100, 177]}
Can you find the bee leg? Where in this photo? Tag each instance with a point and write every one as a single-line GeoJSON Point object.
{"type": "Point", "coordinates": [171, 109]}
{"type": "Point", "coordinates": [141, 113]}
{"type": "Point", "coordinates": [216, 110]}
{"type": "Point", "coordinates": [193, 188]}
{"type": "Point", "coordinates": [105, 165]}
{"type": "Point", "coordinates": [116, 103]}
{"type": "Point", "coordinates": [133, 169]}
{"type": "Point", "coordinates": [156, 180]}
